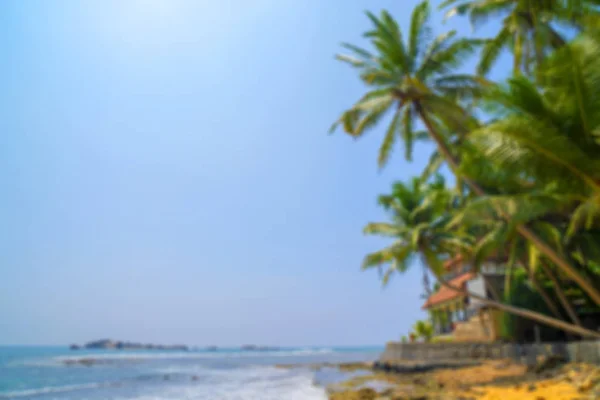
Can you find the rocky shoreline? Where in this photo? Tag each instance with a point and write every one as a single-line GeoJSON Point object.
{"type": "Point", "coordinates": [550, 379]}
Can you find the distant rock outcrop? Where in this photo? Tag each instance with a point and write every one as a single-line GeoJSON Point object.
{"type": "Point", "coordinates": [75, 347]}
{"type": "Point", "coordinates": [101, 344]}
{"type": "Point", "coordinates": [107, 344]}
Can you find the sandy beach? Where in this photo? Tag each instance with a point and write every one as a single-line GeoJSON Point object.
{"type": "Point", "coordinates": [491, 380]}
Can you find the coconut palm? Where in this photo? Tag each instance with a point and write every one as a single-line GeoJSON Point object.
{"type": "Point", "coordinates": [416, 210]}
{"type": "Point", "coordinates": [430, 95]}
{"type": "Point", "coordinates": [412, 80]}
{"type": "Point", "coordinates": [547, 134]}
{"type": "Point", "coordinates": [419, 215]}
{"type": "Point", "coordinates": [529, 27]}
{"type": "Point", "coordinates": [498, 234]}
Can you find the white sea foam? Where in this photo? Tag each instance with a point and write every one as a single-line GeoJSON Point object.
{"type": "Point", "coordinates": [172, 375]}
{"type": "Point", "coordinates": [49, 389]}
{"type": "Point", "coordinates": [192, 355]}
{"type": "Point", "coordinates": [261, 383]}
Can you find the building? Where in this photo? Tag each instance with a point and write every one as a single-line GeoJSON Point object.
{"type": "Point", "coordinates": [457, 314]}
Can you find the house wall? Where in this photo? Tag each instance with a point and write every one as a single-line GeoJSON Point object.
{"type": "Point", "coordinates": [476, 286]}
{"type": "Point", "coordinates": [494, 275]}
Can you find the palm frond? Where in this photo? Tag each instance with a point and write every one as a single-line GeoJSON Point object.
{"type": "Point", "coordinates": [408, 134]}
{"type": "Point", "coordinates": [385, 256]}
{"type": "Point", "coordinates": [382, 229]}
{"type": "Point", "coordinates": [449, 58]}
{"type": "Point", "coordinates": [521, 208]}
{"type": "Point", "coordinates": [585, 216]}
{"type": "Point", "coordinates": [490, 242]}
{"type": "Point", "coordinates": [460, 86]}
{"type": "Point", "coordinates": [439, 43]}
{"type": "Point", "coordinates": [419, 31]}
{"type": "Point", "coordinates": [538, 149]}
{"type": "Point", "coordinates": [433, 165]}
{"type": "Point", "coordinates": [460, 10]}
{"type": "Point", "coordinates": [491, 50]}
{"type": "Point", "coordinates": [387, 38]}
{"type": "Point", "coordinates": [480, 13]}
{"type": "Point", "coordinates": [390, 138]}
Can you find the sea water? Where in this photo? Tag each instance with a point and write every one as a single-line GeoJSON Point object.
{"type": "Point", "coordinates": [44, 373]}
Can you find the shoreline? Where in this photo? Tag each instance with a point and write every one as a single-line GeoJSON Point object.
{"type": "Point", "coordinates": [550, 379]}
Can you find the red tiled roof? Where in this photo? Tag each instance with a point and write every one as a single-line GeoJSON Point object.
{"type": "Point", "coordinates": [446, 294]}
{"type": "Point", "coordinates": [454, 262]}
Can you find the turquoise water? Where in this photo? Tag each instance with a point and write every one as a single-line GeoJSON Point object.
{"type": "Point", "coordinates": [228, 374]}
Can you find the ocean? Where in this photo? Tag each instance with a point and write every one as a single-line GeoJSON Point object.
{"type": "Point", "coordinates": [44, 373]}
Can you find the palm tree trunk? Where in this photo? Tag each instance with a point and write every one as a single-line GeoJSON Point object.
{"type": "Point", "coordinates": [524, 231]}
{"type": "Point", "coordinates": [521, 312]}
{"type": "Point", "coordinates": [561, 294]}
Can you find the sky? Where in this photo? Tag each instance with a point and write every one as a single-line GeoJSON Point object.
{"type": "Point", "coordinates": [167, 175]}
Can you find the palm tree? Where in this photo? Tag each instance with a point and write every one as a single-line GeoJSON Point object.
{"type": "Point", "coordinates": [416, 213]}
{"type": "Point", "coordinates": [529, 27]}
{"type": "Point", "coordinates": [423, 330]}
{"type": "Point", "coordinates": [547, 135]}
{"type": "Point", "coordinates": [497, 234]}
{"type": "Point", "coordinates": [418, 226]}
{"type": "Point", "coordinates": [431, 94]}
{"type": "Point", "coordinates": [416, 79]}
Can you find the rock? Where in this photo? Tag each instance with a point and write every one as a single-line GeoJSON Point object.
{"type": "Point", "coordinates": [547, 363]}
{"type": "Point", "coordinates": [419, 381]}
{"type": "Point", "coordinates": [590, 382]}
{"type": "Point", "coordinates": [195, 377]}
{"type": "Point", "coordinates": [503, 365]}
{"type": "Point", "coordinates": [385, 366]}
{"type": "Point", "coordinates": [531, 388]}
{"type": "Point", "coordinates": [361, 394]}
{"type": "Point", "coordinates": [101, 344]}
{"type": "Point", "coordinates": [75, 347]}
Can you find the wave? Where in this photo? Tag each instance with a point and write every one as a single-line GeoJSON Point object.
{"type": "Point", "coordinates": [107, 357]}
{"type": "Point", "coordinates": [262, 383]}
{"type": "Point", "coordinates": [50, 389]}
{"type": "Point", "coordinates": [256, 383]}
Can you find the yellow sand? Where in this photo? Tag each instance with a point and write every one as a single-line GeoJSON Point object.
{"type": "Point", "coordinates": [555, 391]}
{"type": "Point", "coordinates": [570, 382]}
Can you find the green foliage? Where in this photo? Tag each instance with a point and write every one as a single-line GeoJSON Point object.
{"type": "Point", "coordinates": [408, 79]}
{"type": "Point", "coordinates": [522, 294]}
{"type": "Point", "coordinates": [530, 29]}
{"type": "Point", "coordinates": [419, 218]}
{"type": "Point", "coordinates": [532, 162]}
{"type": "Point", "coordinates": [423, 330]}
{"type": "Point", "coordinates": [443, 339]}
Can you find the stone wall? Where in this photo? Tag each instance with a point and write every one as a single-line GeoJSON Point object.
{"type": "Point", "coordinates": [587, 351]}
{"type": "Point", "coordinates": [482, 327]}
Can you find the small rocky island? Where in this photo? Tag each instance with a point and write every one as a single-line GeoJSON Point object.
{"type": "Point", "coordinates": [108, 344]}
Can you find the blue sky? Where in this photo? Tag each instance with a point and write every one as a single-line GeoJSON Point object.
{"type": "Point", "coordinates": [167, 175]}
